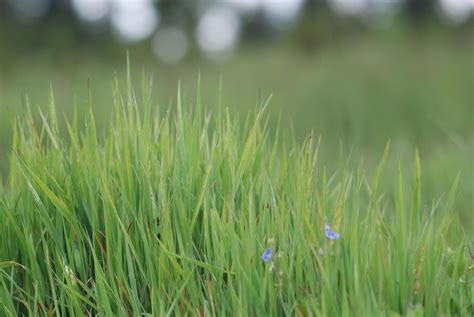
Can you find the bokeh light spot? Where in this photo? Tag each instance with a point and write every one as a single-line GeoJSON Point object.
{"type": "Point", "coordinates": [170, 45]}
{"type": "Point", "coordinates": [134, 20]}
{"type": "Point", "coordinates": [91, 11]}
{"type": "Point", "coordinates": [457, 11]}
{"type": "Point", "coordinates": [218, 32]}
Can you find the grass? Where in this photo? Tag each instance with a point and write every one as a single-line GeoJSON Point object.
{"type": "Point", "coordinates": [412, 89]}
{"type": "Point", "coordinates": [169, 214]}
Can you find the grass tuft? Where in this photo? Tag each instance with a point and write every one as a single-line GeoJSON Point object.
{"type": "Point", "coordinates": [170, 213]}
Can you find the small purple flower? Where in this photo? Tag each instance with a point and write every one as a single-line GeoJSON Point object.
{"type": "Point", "coordinates": [267, 255]}
{"type": "Point", "coordinates": [333, 235]}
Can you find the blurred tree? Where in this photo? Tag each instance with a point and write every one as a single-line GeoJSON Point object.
{"type": "Point", "coordinates": [319, 25]}
{"type": "Point", "coordinates": [419, 10]}
{"type": "Point", "coordinates": [314, 25]}
{"type": "Point", "coordinates": [178, 12]}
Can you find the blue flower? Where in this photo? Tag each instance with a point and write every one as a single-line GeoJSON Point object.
{"type": "Point", "coordinates": [267, 255]}
{"type": "Point", "coordinates": [333, 235]}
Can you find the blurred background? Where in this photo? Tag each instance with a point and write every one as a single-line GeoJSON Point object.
{"type": "Point", "coordinates": [357, 72]}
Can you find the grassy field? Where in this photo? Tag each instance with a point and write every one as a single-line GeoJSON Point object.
{"type": "Point", "coordinates": [148, 202]}
{"type": "Point", "coordinates": [195, 213]}
{"type": "Point", "coordinates": [413, 90]}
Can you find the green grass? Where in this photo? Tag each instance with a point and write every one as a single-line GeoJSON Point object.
{"type": "Point", "coordinates": [168, 213]}
{"type": "Point", "coordinates": [412, 89]}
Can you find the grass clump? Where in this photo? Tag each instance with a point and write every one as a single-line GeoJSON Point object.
{"type": "Point", "coordinates": [169, 214]}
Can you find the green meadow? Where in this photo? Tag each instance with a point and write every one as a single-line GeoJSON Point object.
{"type": "Point", "coordinates": [329, 184]}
